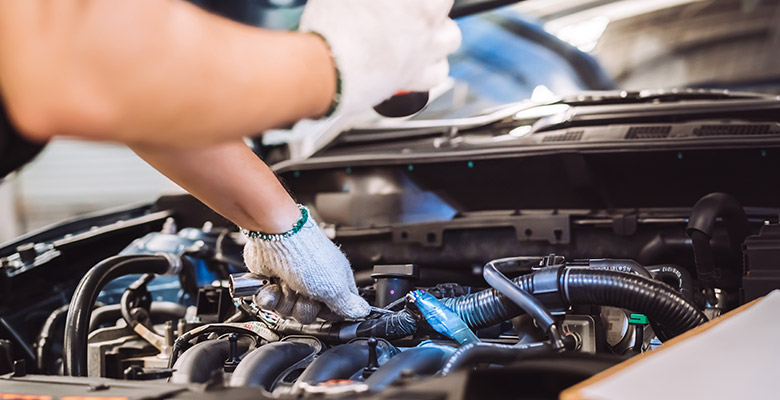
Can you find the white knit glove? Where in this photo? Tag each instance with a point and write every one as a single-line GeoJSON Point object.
{"type": "Point", "coordinates": [384, 46]}
{"type": "Point", "coordinates": [311, 270]}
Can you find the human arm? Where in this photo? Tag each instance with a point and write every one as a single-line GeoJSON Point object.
{"type": "Point", "coordinates": [234, 182]}
{"type": "Point", "coordinates": [160, 72]}
{"type": "Point", "coordinates": [230, 179]}
{"type": "Point", "coordinates": [164, 72]}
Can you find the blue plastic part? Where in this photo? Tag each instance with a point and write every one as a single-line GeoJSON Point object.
{"type": "Point", "coordinates": [449, 350]}
{"type": "Point", "coordinates": [442, 319]}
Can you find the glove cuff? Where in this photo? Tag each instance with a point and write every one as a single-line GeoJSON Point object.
{"type": "Point", "coordinates": [334, 105]}
{"type": "Point", "coordinates": [279, 236]}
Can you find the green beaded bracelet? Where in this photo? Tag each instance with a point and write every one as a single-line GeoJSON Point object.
{"type": "Point", "coordinates": [279, 236]}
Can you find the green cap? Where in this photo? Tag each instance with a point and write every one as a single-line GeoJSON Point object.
{"type": "Point", "coordinates": [637, 319]}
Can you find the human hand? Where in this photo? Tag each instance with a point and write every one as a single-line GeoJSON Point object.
{"type": "Point", "coordinates": [312, 272]}
{"type": "Point", "coordinates": [381, 47]}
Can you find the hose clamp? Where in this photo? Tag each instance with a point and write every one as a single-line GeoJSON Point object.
{"type": "Point", "coordinates": [175, 264]}
{"type": "Point", "coordinates": [547, 289]}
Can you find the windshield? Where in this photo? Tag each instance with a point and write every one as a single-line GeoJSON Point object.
{"type": "Point", "coordinates": [561, 47]}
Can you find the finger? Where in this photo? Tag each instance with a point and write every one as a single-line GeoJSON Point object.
{"type": "Point", "coordinates": [430, 77]}
{"type": "Point", "coordinates": [447, 39]}
{"type": "Point", "coordinates": [268, 297]}
{"type": "Point", "coordinates": [305, 310]}
{"type": "Point", "coordinates": [286, 302]}
{"type": "Point", "coordinates": [349, 306]}
{"type": "Point", "coordinates": [328, 315]}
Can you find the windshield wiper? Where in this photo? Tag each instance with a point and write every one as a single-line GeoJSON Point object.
{"type": "Point", "coordinates": [658, 95]}
{"type": "Point", "coordinates": [697, 107]}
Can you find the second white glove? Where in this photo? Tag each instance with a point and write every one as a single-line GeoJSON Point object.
{"type": "Point", "coordinates": [384, 46]}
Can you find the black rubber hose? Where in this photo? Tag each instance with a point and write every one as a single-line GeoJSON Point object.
{"type": "Point", "coordinates": [262, 367]}
{"type": "Point", "coordinates": [77, 323]}
{"type": "Point", "coordinates": [55, 321]}
{"type": "Point", "coordinates": [657, 300]}
{"type": "Point", "coordinates": [159, 310]}
{"type": "Point", "coordinates": [340, 362]}
{"type": "Point", "coordinates": [199, 363]}
{"type": "Point", "coordinates": [629, 266]}
{"type": "Point", "coordinates": [701, 226]}
{"type": "Point", "coordinates": [525, 301]}
{"type": "Point", "coordinates": [681, 277]}
{"type": "Point", "coordinates": [483, 309]}
{"type": "Point", "coordinates": [130, 297]}
{"type": "Point", "coordinates": [44, 338]}
{"type": "Point", "coordinates": [663, 247]}
{"type": "Point", "coordinates": [726, 207]}
{"type": "Point", "coordinates": [577, 286]}
{"type": "Point", "coordinates": [420, 361]}
{"type": "Point", "coordinates": [705, 263]}
{"type": "Point", "coordinates": [493, 353]}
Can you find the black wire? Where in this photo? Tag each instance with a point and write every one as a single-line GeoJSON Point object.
{"type": "Point", "coordinates": [525, 301]}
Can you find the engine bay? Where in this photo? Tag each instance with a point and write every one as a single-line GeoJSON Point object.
{"type": "Point", "coordinates": [480, 279]}
{"type": "Point", "coordinates": [507, 254]}
{"type": "Point", "coordinates": [174, 308]}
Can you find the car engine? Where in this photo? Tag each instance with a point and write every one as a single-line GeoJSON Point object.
{"type": "Point", "coordinates": [637, 218]}
{"type": "Point", "coordinates": [174, 307]}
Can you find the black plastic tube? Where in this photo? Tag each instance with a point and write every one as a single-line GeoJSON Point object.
{"type": "Point", "coordinates": [705, 263]}
{"type": "Point", "coordinates": [683, 281]}
{"type": "Point", "coordinates": [77, 323]}
{"type": "Point", "coordinates": [701, 226]}
{"type": "Point", "coordinates": [420, 361]}
{"type": "Point", "coordinates": [483, 309]}
{"type": "Point", "coordinates": [726, 207]}
{"type": "Point", "coordinates": [129, 297]}
{"type": "Point", "coordinates": [464, 8]}
{"type": "Point", "coordinates": [525, 301]}
{"type": "Point", "coordinates": [262, 367]}
{"type": "Point", "coordinates": [658, 301]}
{"type": "Point", "coordinates": [563, 287]}
{"type": "Point", "coordinates": [44, 338]}
{"type": "Point", "coordinates": [663, 247]}
{"type": "Point", "coordinates": [198, 364]}
{"type": "Point", "coordinates": [393, 325]}
{"type": "Point", "coordinates": [493, 353]}
{"type": "Point", "coordinates": [340, 362]}
{"type": "Point", "coordinates": [160, 311]}
{"type": "Point", "coordinates": [629, 266]}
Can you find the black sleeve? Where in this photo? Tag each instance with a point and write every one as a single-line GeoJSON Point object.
{"type": "Point", "coordinates": [15, 151]}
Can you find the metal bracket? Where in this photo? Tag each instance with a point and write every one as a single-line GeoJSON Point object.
{"type": "Point", "coordinates": [554, 229]}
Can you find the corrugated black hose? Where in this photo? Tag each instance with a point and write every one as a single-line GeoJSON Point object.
{"type": "Point", "coordinates": [555, 287]}
{"type": "Point", "coordinates": [562, 287]}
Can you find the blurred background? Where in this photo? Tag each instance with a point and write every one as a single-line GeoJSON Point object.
{"type": "Point", "coordinates": [536, 48]}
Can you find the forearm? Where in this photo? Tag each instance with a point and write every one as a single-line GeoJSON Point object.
{"type": "Point", "coordinates": [231, 180]}
{"type": "Point", "coordinates": [87, 68]}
